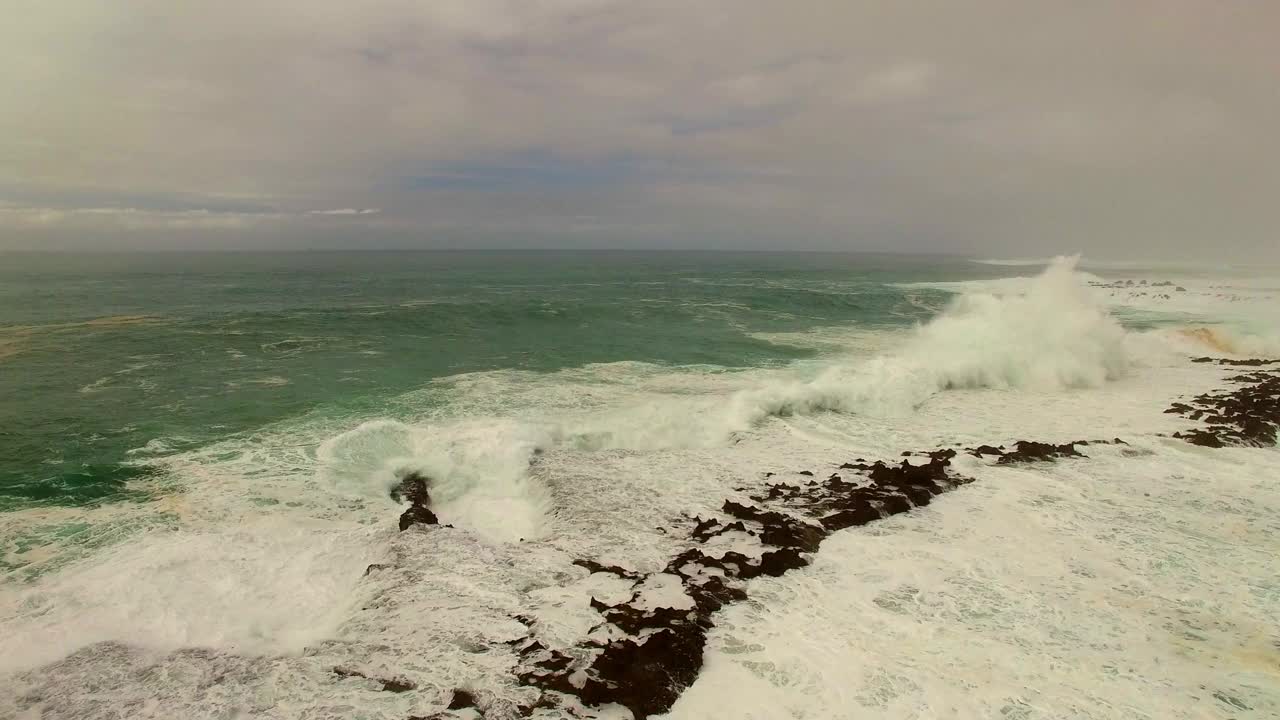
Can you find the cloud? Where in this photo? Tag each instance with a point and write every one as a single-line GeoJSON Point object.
{"type": "Point", "coordinates": [991, 126]}
{"type": "Point", "coordinates": [901, 81]}
{"type": "Point", "coordinates": [128, 218]}
{"type": "Point", "coordinates": [347, 211]}
{"type": "Point", "coordinates": [151, 218]}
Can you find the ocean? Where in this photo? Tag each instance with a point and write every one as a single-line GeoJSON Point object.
{"type": "Point", "coordinates": [200, 455]}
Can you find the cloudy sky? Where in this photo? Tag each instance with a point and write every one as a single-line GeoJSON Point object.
{"type": "Point", "coordinates": [1122, 128]}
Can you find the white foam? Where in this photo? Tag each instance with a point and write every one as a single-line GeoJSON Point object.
{"type": "Point", "coordinates": [478, 470]}
{"type": "Point", "coordinates": [663, 590]}
{"type": "Point", "coordinates": [1115, 587]}
{"type": "Point", "coordinates": [271, 534]}
{"type": "Point", "coordinates": [265, 588]}
{"type": "Point", "coordinates": [1050, 335]}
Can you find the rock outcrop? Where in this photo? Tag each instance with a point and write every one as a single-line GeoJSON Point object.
{"type": "Point", "coordinates": [1246, 415]}
{"type": "Point", "coordinates": [413, 487]}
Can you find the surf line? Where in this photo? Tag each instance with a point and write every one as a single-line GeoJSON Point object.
{"type": "Point", "coordinates": [649, 649]}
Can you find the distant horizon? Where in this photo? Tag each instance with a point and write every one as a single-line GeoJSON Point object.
{"type": "Point", "coordinates": [1086, 260]}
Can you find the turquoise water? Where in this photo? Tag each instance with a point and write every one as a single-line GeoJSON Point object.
{"type": "Point", "coordinates": [107, 360]}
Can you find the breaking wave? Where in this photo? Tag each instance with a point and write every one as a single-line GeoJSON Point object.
{"type": "Point", "coordinates": [1048, 335]}
{"type": "Point", "coordinates": [478, 470]}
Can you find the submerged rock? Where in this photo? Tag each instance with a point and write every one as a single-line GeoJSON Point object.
{"type": "Point", "coordinates": [1032, 451]}
{"type": "Point", "coordinates": [595, 567]}
{"type": "Point", "coordinates": [395, 685]}
{"type": "Point", "coordinates": [462, 699]}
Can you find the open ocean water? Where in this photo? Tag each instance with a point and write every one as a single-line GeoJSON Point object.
{"type": "Point", "coordinates": [197, 453]}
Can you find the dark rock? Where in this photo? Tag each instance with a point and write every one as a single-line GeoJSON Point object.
{"type": "Point", "coordinates": [555, 661]}
{"type": "Point", "coordinates": [714, 594]}
{"type": "Point", "coordinates": [775, 563]}
{"type": "Point", "coordinates": [398, 685]}
{"type": "Point", "coordinates": [1031, 451]}
{"type": "Point", "coordinates": [462, 699]}
{"type": "Point", "coordinates": [779, 530]}
{"type": "Point", "coordinates": [417, 515]}
{"type": "Point", "coordinates": [1246, 415]}
{"type": "Point", "coordinates": [413, 487]}
{"type": "Point", "coordinates": [532, 647]}
{"type": "Point", "coordinates": [704, 532]}
{"type": "Point", "coordinates": [595, 567]}
{"type": "Point", "coordinates": [860, 514]}
{"type": "Point", "coordinates": [646, 676]}
{"type": "Point", "coordinates": [395, 685]}
{"type": "Point", "coordinates": [1248, 362]}
{"type": "Point", "coordinates": [702, 529]}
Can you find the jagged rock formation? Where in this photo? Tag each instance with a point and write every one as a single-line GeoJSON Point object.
{"type": "Point", "coordinates": [1248, 414]}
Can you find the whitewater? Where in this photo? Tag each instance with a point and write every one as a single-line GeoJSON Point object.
{"type": "Point", "coordinates": [266, 576]}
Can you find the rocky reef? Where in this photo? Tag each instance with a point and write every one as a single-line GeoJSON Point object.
{"type": "Point", "coordinates": [647, 649]}
{"type": "Point", "coordinates": [1246, 414]}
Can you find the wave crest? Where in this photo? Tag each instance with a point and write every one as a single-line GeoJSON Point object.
{"type": "Point", "coordinates": [1052, 336]}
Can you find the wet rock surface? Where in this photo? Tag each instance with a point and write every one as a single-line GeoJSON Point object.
{"type": "Point", "coordinates": [462, 699]}
{"type": "Point", "coordinates": [1247, 362]}
{"type": "Point", "coordinates": [1031, 451]}
{"type": "Point", "coordinates": [646, 650]}
{"type": "Point", "coordinates": [413, 488]}
{"type": "Point", "coordinates": [1246, 415]}
{"type": "Point", "coordinates": [595, 567]}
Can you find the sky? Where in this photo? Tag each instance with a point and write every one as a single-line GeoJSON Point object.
{"type": "Point", "coordinates": [1127, 129]}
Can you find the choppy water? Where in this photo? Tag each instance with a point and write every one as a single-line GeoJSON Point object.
{"type": "Point", "coordinates": [197, 450]}
{"type": "Point", "coordinates": [106, 355]}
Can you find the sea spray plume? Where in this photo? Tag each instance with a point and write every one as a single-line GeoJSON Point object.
{"type": "Point", "coordinates": [1053, 336]}
{"type": "Point", "coordinates": [1049, 335]}
{"type": "Point", "coordinates": [478, 470]}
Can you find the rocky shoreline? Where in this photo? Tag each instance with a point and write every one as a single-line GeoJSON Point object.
{"type": "Point", "coordinates": [1247, 414]}
{"type": "Point", "coordinates": [645, 651]}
